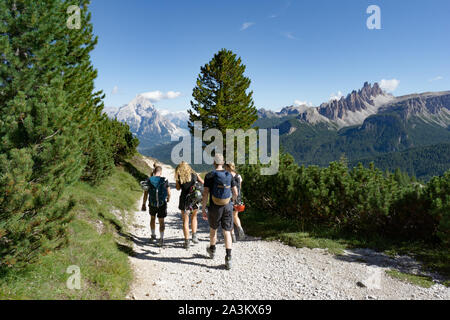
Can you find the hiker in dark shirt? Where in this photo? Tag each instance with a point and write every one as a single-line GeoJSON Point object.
{"type": "Point", "coordinates": [219, 189]}
{"type": "Point", "coordinates": [158, 195]}
{"type": "Point", "coordinates": [231, 168]}
{"type": "Point", "coordinates": [186, 179]}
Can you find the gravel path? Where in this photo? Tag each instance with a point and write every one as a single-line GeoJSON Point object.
{"type": "Point", "coordinates": [261, 270]}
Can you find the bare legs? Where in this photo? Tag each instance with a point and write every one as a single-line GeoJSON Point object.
{"type": "Point", "coordinates": [186, 223]}
{"type": "Point", "coordinates": [226, 235]}
{"type": "Point", "coordinates": [237, 221]}
{"type": "Point", "coordinates": [162, 225]}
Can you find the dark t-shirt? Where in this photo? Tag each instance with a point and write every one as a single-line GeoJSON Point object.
{"type": "Point", "coordinates": [238, 179]}
{"type": "Point", "coordinates": [209, 183]}
{"type": "Point", "coordinates": [185, 188]}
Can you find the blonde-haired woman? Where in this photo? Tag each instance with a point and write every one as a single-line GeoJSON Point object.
{"type": "Point", "coordinates": [231, 168]}
{"type": "Point", "coordinates": [186, 179]}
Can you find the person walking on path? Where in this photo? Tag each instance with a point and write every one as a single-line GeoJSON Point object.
{"type": "Point", "coordinates": [231, 168]}
{"type": "Point", "coordinates": [220, 188]}
{"type": "Point", "coordinates": [158, 195]}
{"type": "Point", "coordinates": [186, 179]}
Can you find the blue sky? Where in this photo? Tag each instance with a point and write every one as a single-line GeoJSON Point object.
{"type": "Point", "coordinates": [294, 50]}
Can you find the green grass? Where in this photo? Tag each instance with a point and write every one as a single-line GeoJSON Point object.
{"type": "Point", "coordinates": [434, 257]}
{"type": "Point", "coordinates": [422, 281]}
{"type": "Point", "coordinates": [306, 240]}
{"type": "Point", "coordinates": [98, 244]}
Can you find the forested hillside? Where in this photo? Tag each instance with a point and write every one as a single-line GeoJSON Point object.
{"type": "Point", "coordinates": [423, 162]}
{"type": "Point", "coordinates": [381, 136]}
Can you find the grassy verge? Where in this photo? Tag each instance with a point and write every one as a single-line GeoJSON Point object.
{"type": "Point", "coordinates": [269, 227]}
{"type": "Point", "coordinates": [98, 245]}
{"type": "Point", "coordinates": [422, 281]}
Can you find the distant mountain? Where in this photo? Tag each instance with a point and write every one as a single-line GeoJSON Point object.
{"type": "Point", "coordinates": [151, 126]}
{"type": "Point", "coordinates": [368, 123]}
{"type": "Point", "coordinates": [356, 107]}
{"type": "Point", "coordinates": [348, 111]}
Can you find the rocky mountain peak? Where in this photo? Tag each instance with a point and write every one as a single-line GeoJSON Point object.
{"type": "Point", "coordinates": [357, 106]}
{"type": "Point", "coordinates": [148, 124]}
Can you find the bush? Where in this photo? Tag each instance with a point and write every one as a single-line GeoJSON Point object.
{"type": "Point", "coordinates": [438, 195]}
{"type": "Point", "coordinates": [363, 201]}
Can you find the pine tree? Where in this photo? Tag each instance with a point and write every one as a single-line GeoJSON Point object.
{"type": "Point", "coordinates": [40, 127]}
{"type": "Point", "coordinates": [79, 76]}
{"type": "Point", "coordinates": [221, 100]}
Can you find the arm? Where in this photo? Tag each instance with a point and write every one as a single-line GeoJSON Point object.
{"type": "Point", "coordinates": [144, 208]}
{"type": "Point", "coordinates": [178, 186]}
{"type": "Point", "coordinates": [205, 202]}
{"type": "Point", "coordinates": [168, 194]}
{"type": "Point", "coordinates": [235, 194]}
{"type": "Point", "coordinates": [200, 179]}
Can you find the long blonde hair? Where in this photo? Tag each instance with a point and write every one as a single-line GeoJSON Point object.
{"type": "Point", "coordinates": [231, 166]}
{"type": "Point", "coordinates": [183, 173]}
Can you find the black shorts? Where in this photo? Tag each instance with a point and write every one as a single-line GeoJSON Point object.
{"type": "Point", "coordinates": [221, 215]}
{"type": "Point", "coordinates": [161, 212]}
{"type": "Point", "coordinates": [182, 204]}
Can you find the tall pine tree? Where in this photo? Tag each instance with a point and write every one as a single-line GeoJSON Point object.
{"type": "Point", "coordinates": [49, 116]}
{"type": "Point", "coordinates": [221, 100]}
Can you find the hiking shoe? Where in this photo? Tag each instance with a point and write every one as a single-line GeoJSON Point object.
{"type": "Point", "coordinates": [152, 239]}
{"type": "Point", "coordinates": [228, 262]}
{"type": "Point", "coordinates": [211, 252]}
{"type": "Point", "coordinates": [241, 234]}
{"type": "Point", "coordinates": [161, 242]}
{"type": "Point", "coordinates": [186, 244]}
{"type": "Point", "coordinates": [194, 238]}
{"type": "Point", "coordinates": [233, 237]}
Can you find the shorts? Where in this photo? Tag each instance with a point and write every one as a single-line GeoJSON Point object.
{"type": "Point", "coordinates": [221, 215]}
{"type": "Point", "coordinates": [183, 204]}
{"type": "Point", "coordinates": [161, 212]}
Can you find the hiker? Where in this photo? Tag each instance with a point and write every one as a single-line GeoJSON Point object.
{"type": "Point", "coordinates": [155, 165]}
{"type": "Point", "coordinates": [158, 194]}
{"type": "Point", "coordinates": [186, 180]}
{"type": "Point", "coordinates": [221, 188]}
{"type": "Point", "coordinates": [231, 168]}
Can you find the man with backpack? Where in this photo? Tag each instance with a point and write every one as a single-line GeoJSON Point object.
{"type": "Point", "coordinates": [221, 189]}
{"type": "Point", "coordinates": [158, 195]}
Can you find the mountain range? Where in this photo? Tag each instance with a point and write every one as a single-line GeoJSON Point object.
{"type": "Point", "coordinates": [368, 124]}
{"type": "Point", "coordinates": [152, 127]}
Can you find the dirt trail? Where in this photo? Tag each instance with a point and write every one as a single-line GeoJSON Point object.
{"type": "Point", "coordinates": [261, 269]}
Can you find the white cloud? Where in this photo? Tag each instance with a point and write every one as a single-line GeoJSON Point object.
{"type": "Point", "coordinates": [289, 35]}
{"type": "Point", "coordinates": [436, 79]}
{"type": "Point", "coordinates": [336, 96]}
{"type": "Point", "coordinates": [389, 85]}
{"type": "Point", "coordinates": [299, 103]}
{"type": "Point", "coordinates": [155, 96]}
{"type": "Point", "coordinates": [115, 90]}
{"type": "Point", "coordinates": [247, 25]}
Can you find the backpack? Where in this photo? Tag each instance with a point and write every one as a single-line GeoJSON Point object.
{"type": "Point", "coordinates": [194, 196]}
{"type": "Point", "coordinates": [221, 191]}
{"type": "Point", "coordinates": [193, 199]}
{"type": "Point", "coordinates": [157, 191]}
